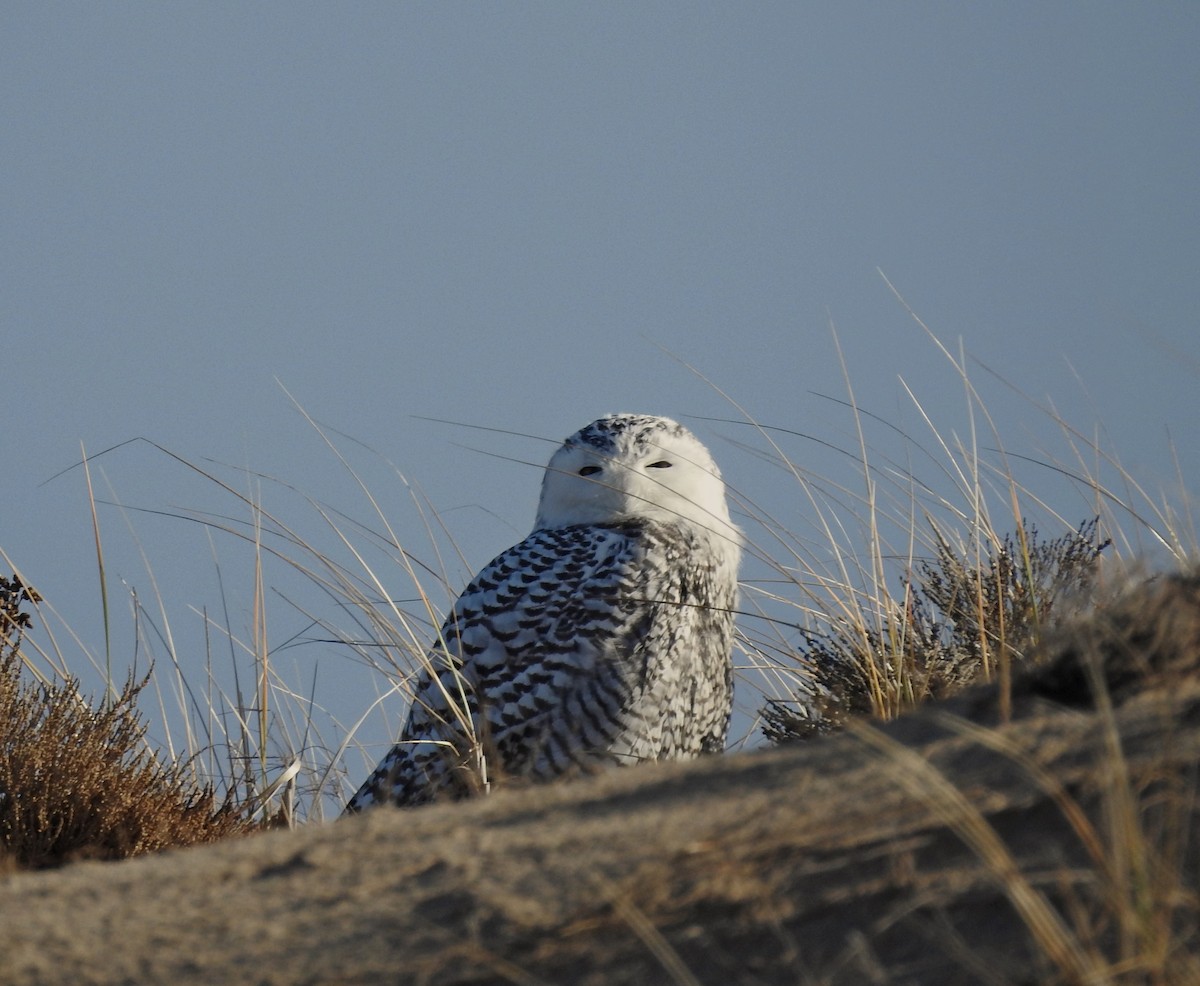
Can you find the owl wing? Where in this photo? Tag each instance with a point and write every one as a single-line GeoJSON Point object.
{"type": "Point", "coordinates": [533, 669]}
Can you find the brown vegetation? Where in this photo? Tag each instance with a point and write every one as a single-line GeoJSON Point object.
{"type": "Point", "coordinates": [957, 623]}
{"type": "Point", "coordinates": [76, 780]}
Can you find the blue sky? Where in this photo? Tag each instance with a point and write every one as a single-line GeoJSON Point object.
{"type": "Point", "coordinates": [524, 215]}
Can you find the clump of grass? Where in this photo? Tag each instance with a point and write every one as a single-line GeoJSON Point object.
{"type": "Point", "coordinates": [900, 584]}
{"type": "Point", "coordinates": [78, 781]}
{"type": "Point", "coordinates": [958, 622]}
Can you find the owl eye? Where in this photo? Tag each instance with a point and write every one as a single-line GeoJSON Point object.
{"type": "Point", "coordinates": [589, 470]}
{"type": "Point", "coordinates": [660, 464]}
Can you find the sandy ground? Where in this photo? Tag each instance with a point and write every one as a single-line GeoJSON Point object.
{"type": "Point", "coordinates": [813, 863]}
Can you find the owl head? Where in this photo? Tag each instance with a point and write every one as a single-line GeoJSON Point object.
{"type": "Point", "coordinates": [629, 467]}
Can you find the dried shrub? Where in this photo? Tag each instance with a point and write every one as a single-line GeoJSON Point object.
{"type": "Point", "coordinates": [78, 782]}
{"type": "Point", "coordinates": [957, 621]}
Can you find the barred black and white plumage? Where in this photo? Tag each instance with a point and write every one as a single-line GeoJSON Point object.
{"type": "Point", "coordinates": [602, 638]}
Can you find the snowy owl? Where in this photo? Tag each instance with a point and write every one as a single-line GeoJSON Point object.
{"type": "Point", "coordinates": [602, 638]}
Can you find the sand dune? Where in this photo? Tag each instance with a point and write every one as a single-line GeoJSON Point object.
{"type": "Point", "coordinates": [820, 862]}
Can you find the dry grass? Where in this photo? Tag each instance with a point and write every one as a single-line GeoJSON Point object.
{"type": "Point", "coordinates": [76, 780]}
{"type": "Point", "coordinates": [901, 584]}
{"type": "Point", "coordinates": [958, 623]}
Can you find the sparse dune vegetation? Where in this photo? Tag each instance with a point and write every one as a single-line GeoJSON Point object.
{"type": "Point", "coordinates": [985, 708]}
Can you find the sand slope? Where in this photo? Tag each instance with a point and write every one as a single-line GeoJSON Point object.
{"type": "Point", "coordinates": [809, 863]}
